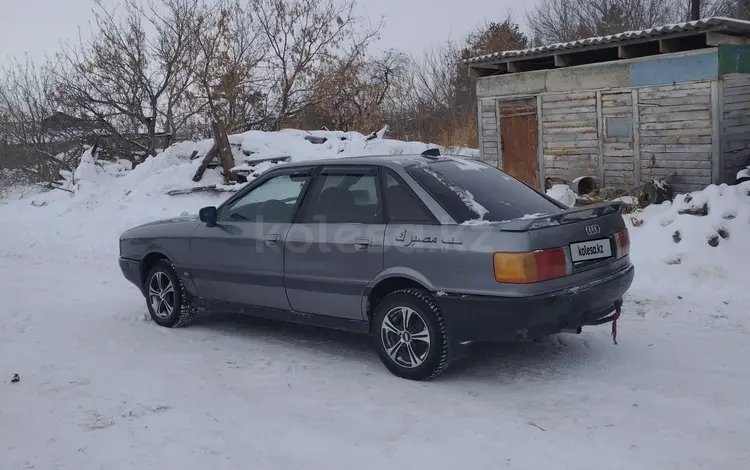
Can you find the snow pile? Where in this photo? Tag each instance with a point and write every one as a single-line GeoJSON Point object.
{"type": "Point", "coordinates": [696, 244]}
{"type": "Point", "coordinates": [174, 169]}
{"type": "Point", "coordinates": [252, 146]}
{"type": "Point", "coordinates": [702, 236]}
{"type": "Point", "coordinates": [122, 196]}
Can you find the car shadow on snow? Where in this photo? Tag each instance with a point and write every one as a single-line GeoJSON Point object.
{"type": "Point", "coordinates": [554, 356]}
{"type": "Point", "coordinates": [347, 346]}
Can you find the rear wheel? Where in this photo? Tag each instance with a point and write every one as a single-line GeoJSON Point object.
{"type": "Point", "coordinates": [166, 297]}
{"type": "Point", "coordinates": [410, 335]}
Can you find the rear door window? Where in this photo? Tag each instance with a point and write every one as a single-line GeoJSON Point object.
{"type": "Point", "coordinates": [345, 196]}
{"type": "Point", "coordinates": [471, 191]}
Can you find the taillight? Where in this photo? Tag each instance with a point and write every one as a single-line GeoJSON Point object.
{"type": "Point", "coordinates": [528, 267]}
{"type": "Point", "coordinates": [623, 243]}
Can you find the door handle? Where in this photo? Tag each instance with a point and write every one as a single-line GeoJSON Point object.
{"type": "Point", "coordinates": [271, 240]}
{"type": "Point", "coordinates": [361, 244]}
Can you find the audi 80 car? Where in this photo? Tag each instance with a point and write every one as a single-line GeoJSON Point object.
{"type": "Point", "coordinates": [425, 253]}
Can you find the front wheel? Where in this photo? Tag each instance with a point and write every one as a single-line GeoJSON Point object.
{"type": "Point", "coordinates": [410, 335]}
{"type": "Point", "coordinates": [166, 296]}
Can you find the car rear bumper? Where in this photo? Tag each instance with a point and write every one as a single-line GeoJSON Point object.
{"type": "Point", "coordinates": [487, 318]}
{"type": "Point", "coordinates": [131, 269]}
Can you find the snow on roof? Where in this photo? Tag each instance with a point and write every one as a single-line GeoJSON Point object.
{"type": "Point", "coordinates": [728, 25]}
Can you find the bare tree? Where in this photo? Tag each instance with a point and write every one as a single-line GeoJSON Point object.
{"type": "Point", "coordinates": [134, 71]}
{"type": "Point", "coordinates": [727, 8]}
{"type": "Point", "coordinates": [302, 35]}
{"type": "Point", "coordinates": [567, 20]}
{"type": "Point", "coordinates": [554, 21]}
{"type": "Point", "coordinates": [352, 95]}
{"type": "Point", "coordinates": [438, 100]}
{"type": "Point", "coordinates": [231, 50]}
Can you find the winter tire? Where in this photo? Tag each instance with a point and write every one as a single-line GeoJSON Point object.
{"type": "Point", "coordinates": [410, 335]}
{"type": "Point", "coordinates": [166, 297]}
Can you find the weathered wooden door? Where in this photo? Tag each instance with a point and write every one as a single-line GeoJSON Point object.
{"type": "Point", "coordinates": [519, 142]}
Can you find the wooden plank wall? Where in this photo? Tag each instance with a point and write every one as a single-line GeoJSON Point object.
{"type": "Point", "coordinates": [570, 134]}
{"type": "Point", "coordinates": [672, 133]}
{"type": "Point", "coordinates": [618, 151]}
{"type": "Point", "coordinates": [675, 134]}
{"type": "Point", "coordinates": [489, 138]}
{"type": "Point", "coordinates": [736, 125]}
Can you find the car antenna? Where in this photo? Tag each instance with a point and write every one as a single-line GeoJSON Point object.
{"type": "Point", "coordinates": [431, 153]}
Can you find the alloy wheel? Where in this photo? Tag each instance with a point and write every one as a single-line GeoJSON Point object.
{"type": "Point", "coordinates": [405, 336]}
{"type": "Point", "coordinates": [161, 295]}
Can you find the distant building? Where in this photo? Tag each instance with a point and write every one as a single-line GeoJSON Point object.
{"type": "Point", "coordinates": [625, 108]}
{"type": "Point", "coordinates": [61, 123]}
{"type": "Point", "coordinates": [62, 132]}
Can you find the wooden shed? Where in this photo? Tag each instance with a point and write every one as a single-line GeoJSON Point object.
{"type": "Point", "coordinates": [626, 108]}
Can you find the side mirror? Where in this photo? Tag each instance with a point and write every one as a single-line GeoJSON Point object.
{"type": "Point", "coordinates": [208, 215]}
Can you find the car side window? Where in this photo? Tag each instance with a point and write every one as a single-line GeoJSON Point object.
{"type": "Point", "coordinates": [272, 201]}
{"type": "Point", "coordinates": [402, 205]}
{"type": "Point", "coordinates": [341, 197]}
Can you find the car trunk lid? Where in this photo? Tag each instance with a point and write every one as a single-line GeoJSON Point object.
{"type": "Point", "coordinates": [590, 237]}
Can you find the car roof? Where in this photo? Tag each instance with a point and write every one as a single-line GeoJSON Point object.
{"type": "Point", "coordinates": [390, 161]}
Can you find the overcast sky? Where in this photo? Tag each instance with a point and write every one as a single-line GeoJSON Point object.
{"type": "Point", "coordinates": [37, 26]}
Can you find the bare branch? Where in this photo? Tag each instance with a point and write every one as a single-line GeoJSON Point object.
{"type": "Point", "coordinates": [134, 74]}
{"type": "Point", "coordinates": [302, 36]}
{"type": "Point", "coordinates": [567, 20]}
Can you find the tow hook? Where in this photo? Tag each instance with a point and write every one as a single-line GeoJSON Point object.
{"type": "Point", "coordinates": [618, 309]}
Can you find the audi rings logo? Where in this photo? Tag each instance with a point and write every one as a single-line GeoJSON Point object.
{"type": "Point", "coordinates": [593, 230]}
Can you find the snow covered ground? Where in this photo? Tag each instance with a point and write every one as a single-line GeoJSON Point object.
{"type": "Point", "coordinates": [103, 387]}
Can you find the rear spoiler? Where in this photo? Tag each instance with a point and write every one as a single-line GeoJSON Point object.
{"type": "Point", "coordinates": [566, 217]}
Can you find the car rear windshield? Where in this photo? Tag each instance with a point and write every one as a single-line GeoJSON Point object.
{"type": "Point", "coordinates": [473, 192]}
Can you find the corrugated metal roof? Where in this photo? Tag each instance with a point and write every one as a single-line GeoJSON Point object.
{"type": "Point", "coordinates": [728, 25]}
